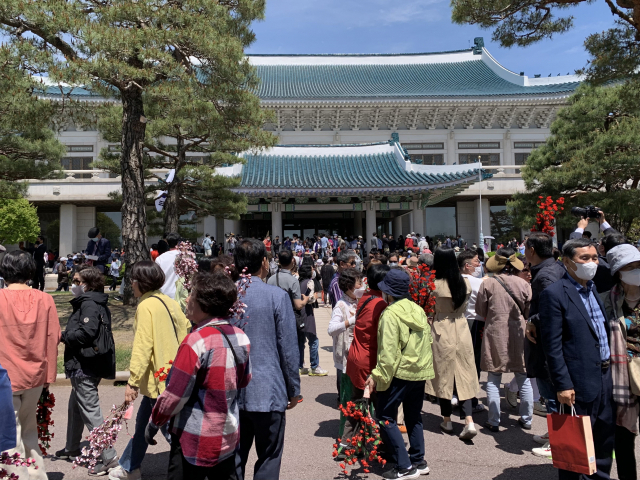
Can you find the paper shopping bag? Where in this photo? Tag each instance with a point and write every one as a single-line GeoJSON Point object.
{"type": "Point", "coordinates": [571, 442]}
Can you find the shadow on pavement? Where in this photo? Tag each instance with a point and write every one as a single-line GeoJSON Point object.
{"type": "Point", "coordinates": [526, 472]}
{"type": "Point", "coordinates": [328, 428]}
{"type": "Point", "coordinates": [55, 475]}
{"type": "Point", "coordinates": [328, 400]}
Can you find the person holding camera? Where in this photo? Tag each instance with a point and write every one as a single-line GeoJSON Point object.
{"type": "Point", "coordinates": [84, 365]}
{"type": "Point", "coordinates": [603, 279]}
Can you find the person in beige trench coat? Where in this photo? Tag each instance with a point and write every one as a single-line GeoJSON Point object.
{"type": "Point", "coordinates": [504, 332]}
{"type": "Point", "coordinates": [453, 358]}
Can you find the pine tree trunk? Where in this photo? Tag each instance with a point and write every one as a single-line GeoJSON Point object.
{"type": "Point", "coordinates": [134, 216]}
{"type": "Point", "coordinates": [171, 207]}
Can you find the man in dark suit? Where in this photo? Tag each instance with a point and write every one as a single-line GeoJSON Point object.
{"type": "Point", "coordinates": [100, 247]}
{"type": "Point", "coordinates": [575, 339]}
{"type": "Point", "coordinates": [39, 251]}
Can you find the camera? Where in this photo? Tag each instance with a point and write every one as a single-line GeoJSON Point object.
{"type": "Point", "coordinates": [587, 212]}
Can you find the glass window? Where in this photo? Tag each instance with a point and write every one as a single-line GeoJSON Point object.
{"type": "Point", "coordinates": [521, 159]}
{"type": "Point", "coordinates": [427, 159]}
{"type": "Point", "coordinates": [423, 146]}
{"type": "Point", "coordinates": [487, 159]}
{"type": "Point", "coordinates": [474, 145]}
{"type": "Point", "coordinates": [528, 144]}
{"type": "Point", "coordinates": [502, 226]}
{"type": "Point", "coordinates": [77, 163]}
{"type": "Point", "coordinates": [441, 222]}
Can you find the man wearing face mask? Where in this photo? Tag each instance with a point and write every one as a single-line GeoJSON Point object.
{"type": "Point", "coordinates": [393, 260]}
{"type": "Point", "coordinates": [574, 335]}
{"type": "Point", "coordinates": [99, 247]}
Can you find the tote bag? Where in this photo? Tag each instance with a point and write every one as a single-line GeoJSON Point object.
{"type": "Point", "coordinates": [571, 442]}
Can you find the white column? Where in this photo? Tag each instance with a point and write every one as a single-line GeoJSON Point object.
{"type": "Point", "coordinates": [276, 220]}
{"type": "Point", "coordinates": [86, 219]}
{"type": "Point", "coordinates": [210, 226]}
{"type": "Point", "coordinates": [484, 214]}
{"type": "Point", "coordinates": [418, 218]}
{"type": "Point", "coordinates": [507, 151]}
{"type": "Point", "coordinates": [357, 226]}
{"type": "Point", "coordinates": [397, 226]}
{"type": "Point", "coordinates": [68, 226]}
{"type": "Point", "coordinates": [467, 221]}
{"type": "Point", "coordinates": [451, 148]}
{"type": "Point", "coordinates": [370, 220]}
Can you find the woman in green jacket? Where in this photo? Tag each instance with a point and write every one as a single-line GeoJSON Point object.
{"type": "Point", "coordinates": [404, 364]}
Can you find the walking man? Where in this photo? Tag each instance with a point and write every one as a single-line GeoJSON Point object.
{"type": "Point", "coordinates": [270, 324]}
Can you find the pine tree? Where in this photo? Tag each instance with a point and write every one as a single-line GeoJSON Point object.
{"type": "Point", "coordinates": [28, 147]}
{"type": "Point", "coordinates": [591, 158]}
{"type": "Point", "coordinates": [129, 51]}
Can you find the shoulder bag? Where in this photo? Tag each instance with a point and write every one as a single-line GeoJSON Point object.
{"type": "Point", "coordinates": [297, 313]}
{"type": "Point", "coordinates": [103, 344]}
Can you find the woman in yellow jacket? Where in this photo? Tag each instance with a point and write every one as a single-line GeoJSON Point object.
{"type": "Point", "coordinates": [159, 328]}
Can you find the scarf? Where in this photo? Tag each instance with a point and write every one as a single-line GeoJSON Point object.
{"type": "Point", "coordinates": [628, 407]}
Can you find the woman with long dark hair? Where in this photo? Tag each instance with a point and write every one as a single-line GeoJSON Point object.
{"type": "Point", "coordinates": [453, 358]}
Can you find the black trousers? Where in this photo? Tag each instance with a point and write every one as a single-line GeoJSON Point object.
{"type": "Point", "coordinates": [603, 420]}
{"type": "Point", "coordinates": [477, 332]}
{"type": "Point", "coordinates": [625, 454]}
{"type": "Point", "coordinates": [267, 428]}
{"type": "Point", "coordinates": [38, 278]}
{"type": "Point", "coordinates": [446, 408]}
{"type": "Point", "coordinates": [180, 469]}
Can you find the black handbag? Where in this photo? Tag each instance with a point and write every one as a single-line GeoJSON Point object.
{"type": "Point", "coordinates": [103, 344]}
{"type": "Point", "coordinates": [300, 318]}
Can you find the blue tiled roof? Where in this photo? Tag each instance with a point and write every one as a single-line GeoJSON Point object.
{"type": "Point", "coordinates": [455, 79]}
{"type": "Point", "coordinates": [348, 174]}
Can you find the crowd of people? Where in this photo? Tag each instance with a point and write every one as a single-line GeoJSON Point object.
{"type": "Point", "coordinates": [567, 329]}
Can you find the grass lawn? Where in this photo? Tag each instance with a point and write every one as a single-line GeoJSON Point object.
{"type": "Point", "coordinates": [121, 323]}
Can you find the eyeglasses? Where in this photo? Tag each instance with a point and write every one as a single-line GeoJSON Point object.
{"type": "Point", "coordinates": [352, 263]}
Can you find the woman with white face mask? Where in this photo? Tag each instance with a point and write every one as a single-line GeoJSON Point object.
{"type": "Point", "coordinates": [83, 366]}
{"type": "Point", "coordinates": [621, 305]}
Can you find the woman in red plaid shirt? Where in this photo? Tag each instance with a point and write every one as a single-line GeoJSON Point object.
{"type": "Point", "coordinates": [200, 401]}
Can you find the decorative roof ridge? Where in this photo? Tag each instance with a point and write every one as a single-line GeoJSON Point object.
{"type": "Point", "coordinates": [292, 145]}
{"type": "Point", "coordinates": [415, 54]}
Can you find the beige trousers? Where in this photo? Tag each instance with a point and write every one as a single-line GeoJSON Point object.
{"type": "Point", "coordinates": [25, 403]}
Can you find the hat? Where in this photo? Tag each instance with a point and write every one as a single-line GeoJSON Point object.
{"type": "Point", "coordinates": [413, 233]}
{"type": "Point", "coordinates": [621, 256]}
{"type": "Point", "coordinates": [457, 249]}
{"type": "Point", "coordinates": [395, 283]}
{"type": "Point", "coordinates": [319, 262]}
{"type": "Point", "coordinates": [93, 232]}
{"type": "Point", "coordinates": [497, 263]}
{"type": "Point", "coordinates": [359, 236]}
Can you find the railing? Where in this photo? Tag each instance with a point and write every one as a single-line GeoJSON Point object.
{"type": "Point", "coordinates": [98, 175]}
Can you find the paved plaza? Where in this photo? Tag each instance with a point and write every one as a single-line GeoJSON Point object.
{"type": "Point", "coordinates": [312, 427]}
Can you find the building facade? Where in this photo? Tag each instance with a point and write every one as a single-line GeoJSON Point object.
{"type": "Point", "coordinates": [447, 111]}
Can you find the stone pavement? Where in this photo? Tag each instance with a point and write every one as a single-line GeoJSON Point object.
{"type": "Point", "coordinates": [312, 427]}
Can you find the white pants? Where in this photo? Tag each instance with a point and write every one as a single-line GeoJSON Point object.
{"type": "Point", "coordinates": [25, 404]}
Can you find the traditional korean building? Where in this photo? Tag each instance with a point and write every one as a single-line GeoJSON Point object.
{"type": "Point", "coordinates": [395, 141]}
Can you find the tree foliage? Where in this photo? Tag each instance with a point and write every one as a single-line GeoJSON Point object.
{"type": "Point", "coordinates": [18, 221]}
{"type": "Point", "coordinates": [109, 229]}
{"type": "Point", "coordinates": [28, 147]}
{"type": "Point", "coordinates": [523, 22]}
{"type": "Point", "coordinates": [591, 158]}
{"type": "Point", "coordinates": [130, 51]}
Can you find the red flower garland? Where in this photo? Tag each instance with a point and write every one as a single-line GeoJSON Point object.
{"type": "Point", "coordinates": [365, 441]}
{"type": "Point", "coordinates": [545, 218]}
{"type": "Point", "coordinates": [43, 418]}
{"type": "Point", "coordinates": [422, 286]}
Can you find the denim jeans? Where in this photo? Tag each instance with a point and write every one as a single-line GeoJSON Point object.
{"type": "Point", "coordinates": [314, 343]}
{"type": "Point", "coordinates": [136, 449]}
{"type": "Point", "coordinates": [493, 397]}
{"type": "Point", "coordinates": [549, 393]}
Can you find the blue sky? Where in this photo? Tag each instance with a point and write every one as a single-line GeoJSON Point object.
{"type": "Point", "coordinates": [410, 26]}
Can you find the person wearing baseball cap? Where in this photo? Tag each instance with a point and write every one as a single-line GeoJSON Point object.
{"type": "Point", "coordinates": [404, 364]}
{"type": "Point", "coordinates": [99, 247]}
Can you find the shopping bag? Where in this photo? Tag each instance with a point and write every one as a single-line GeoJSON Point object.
{"type": "Point", "coordinates": [571, 442]}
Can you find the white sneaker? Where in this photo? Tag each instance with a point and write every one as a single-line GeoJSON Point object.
{"type": "Point", "coordinates": [544, 451]}
{"type": "Point", "coordinates": [510, 397]}
{"type": "Point", "coordinates": [318, 372]}
{"type": "Point", "coordinates": [541, 439]}
{"type": "Point", "coordinates": [469, 432]}
{"type": "Point", "coordinates": [120, 473]}
{"type": "Point", "coordinates": [454, 401]}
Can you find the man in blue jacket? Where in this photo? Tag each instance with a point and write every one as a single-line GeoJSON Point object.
{"type": "Point", "coordinates": [574, 335]}
{"type": "Point", "coordinates": [270, 324]}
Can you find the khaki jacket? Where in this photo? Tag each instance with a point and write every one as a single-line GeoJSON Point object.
{"type": "Point", "coordinates": [504, 331]}
{"type": "Point", "coordinates": [453, 358]}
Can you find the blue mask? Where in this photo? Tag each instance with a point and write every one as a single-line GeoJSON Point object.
{"type": "Point", "coordinates": [95, 239]}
